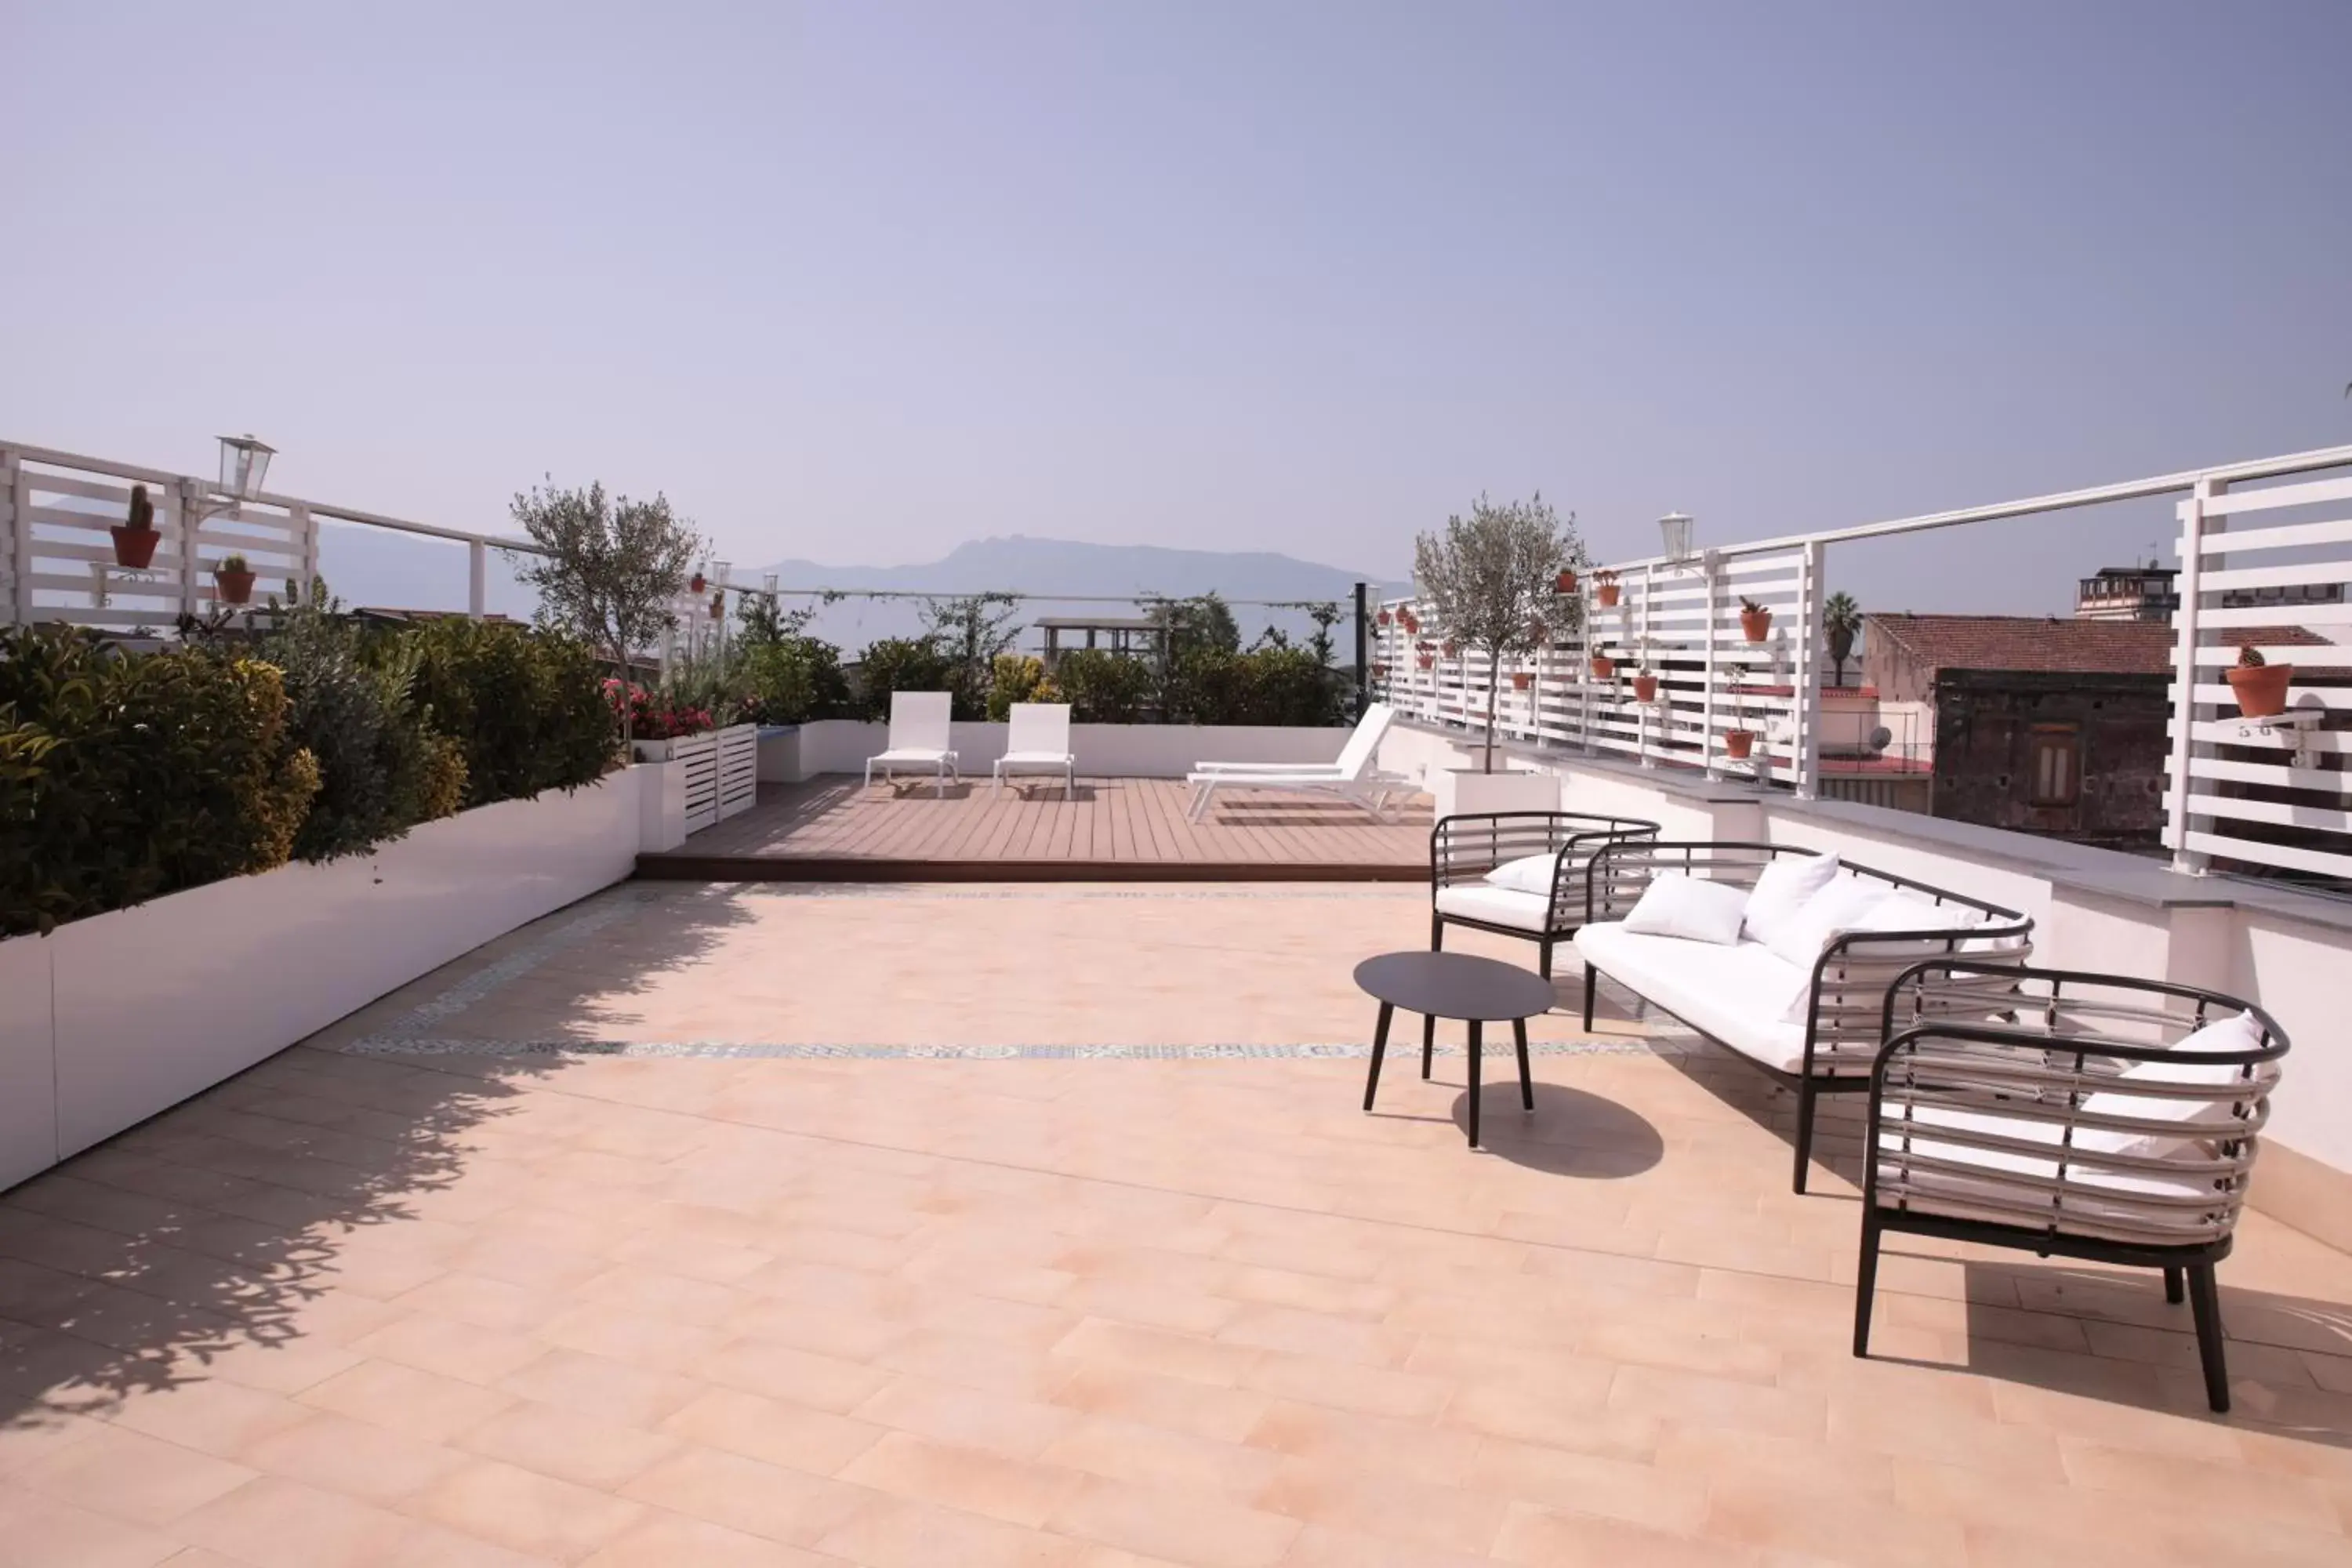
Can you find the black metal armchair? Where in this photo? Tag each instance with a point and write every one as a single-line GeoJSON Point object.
{"type": "Point", "coordinates": [2067, 1123]}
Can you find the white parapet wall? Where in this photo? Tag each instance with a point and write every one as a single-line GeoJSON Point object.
{"type": "Point", "coordinates": [108, 1020]}
{"type": "Point", "coordinates": [1103, 751]}
{"type": "Point", "coordinates": [2094, 909]}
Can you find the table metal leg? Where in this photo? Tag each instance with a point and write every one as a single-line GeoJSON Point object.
{"type": "Point", "coordinates": [1527, 1079]}
{"type": "Point", "coordinates": [1380, 1046]}
{"type": "Point", "coordinates": [1476, 1050]}
{"type": "Point", "coordinates": [1428, 1041]}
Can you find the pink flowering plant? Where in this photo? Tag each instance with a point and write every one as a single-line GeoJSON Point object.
{"type": "Point", "coordinates": [650, 716]}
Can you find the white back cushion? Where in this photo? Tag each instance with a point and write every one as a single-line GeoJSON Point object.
{"type": "Point", "coordinates": [2240, 1033]}
{"type": "Point", "coordinates": [1674, 904]}
{"type": "Point", "coordinates": [1528, 874]}
{"type": "Point", "coordinates": [918, 721]}
{"type": "Point", "coordinates": [1782, 890]}
{"type": "Point", "coordinates": [1847, 904]}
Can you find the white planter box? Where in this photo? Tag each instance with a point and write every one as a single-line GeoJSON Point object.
{"type": "Point", "coordinates": [146, 1006]}
{"type": "Point", "coordinates": [1466, 792]}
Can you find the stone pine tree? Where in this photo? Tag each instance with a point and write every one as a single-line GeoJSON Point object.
{"type": "Point", "coordinates": [612, 566]}
{"type": "Point", "coordinates": [1492, 581]}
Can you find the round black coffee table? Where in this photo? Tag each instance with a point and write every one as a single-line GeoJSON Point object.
{"type": "Point", "coordinates": [1453, 986]}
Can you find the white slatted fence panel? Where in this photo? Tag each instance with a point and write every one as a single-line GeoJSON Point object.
{"type": "Point", "coordinates": [738, 769]}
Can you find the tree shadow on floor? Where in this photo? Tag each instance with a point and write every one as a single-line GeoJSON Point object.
{"type": "Point", "coordinates": [207, 1241]}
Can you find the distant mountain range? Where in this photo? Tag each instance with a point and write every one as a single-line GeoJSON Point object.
{"type": "Point", "coordinates": [366, 566]}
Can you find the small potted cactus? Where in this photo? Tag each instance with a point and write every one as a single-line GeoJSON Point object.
{"type": "Point", "coordinates": [233, 581]}
{"type": "Point", "coordinates": [718, 604]}
{"type": "Point", "coordinates": [1645, 686]}
{"type": "Point", "coordinates": [135, 537]}
{"type": "Point", "coordinates": [2259, 686]}
{"type": "Point", "coordinates": [1605, 589]}
{"type": "Point", "coordinates": [1603, 666]}
{"type": "Point", "coordinates": [1755, 620]}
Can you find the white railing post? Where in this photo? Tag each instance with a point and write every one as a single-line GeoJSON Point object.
{"type": "Point", "coordinates": [1807, 633]}
{"type": "Point", "coordinates": [1584, 666]}
{"type": "Point", "coordinates": [2184, 673]}
{"type": "Point", "coordinates": [1711, 567]}
{"type": "Point", "coordinates": [306, 552]}
{"type": "Point", "coordinates": [1640, 663]}
{"type": "Point", "coordinates": [192, 512]}
{"type": "Point", "coordinates": [477, 578]}
{"type": "Point", "coordinates": [20, 531]}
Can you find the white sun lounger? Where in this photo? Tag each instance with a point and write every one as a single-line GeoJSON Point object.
{"type": "Point", "coordinates": [1038, 741]}
{"type": "Point", "coordinates": [1352, 777]}
{"type": "Point", "coordinates": [918, 739]}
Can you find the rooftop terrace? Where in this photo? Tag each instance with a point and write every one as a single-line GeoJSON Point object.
{"type": "Point", "coordinates": [892, 1226]}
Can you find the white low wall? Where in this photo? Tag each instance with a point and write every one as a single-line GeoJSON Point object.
{"type": "Point", "coordinates": [107, 1021]}
{"type": "Point", "coordinates": [1103, 751]}
{"type": "Point", "coordinates": [2093, 909]}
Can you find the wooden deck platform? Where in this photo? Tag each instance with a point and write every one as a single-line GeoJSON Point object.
{"type": "Point", "coordinates": [837, 829]}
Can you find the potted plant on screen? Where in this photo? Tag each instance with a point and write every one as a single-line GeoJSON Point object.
{"type": "Point", "coordinates": [1605, 589]}
{"type": "Point", "coordinates": [2259, 685]}
{"type": "Point", "coordinates": [1739, 740]}
{"type": "Point", "coordinates": [233, 581]}
{"type": "Point", "coordinates": [135, 536]}
{"type": "Point", "coordinates": [1492, 581]}
{"type": "Point", "coordinates": [1755, 620]}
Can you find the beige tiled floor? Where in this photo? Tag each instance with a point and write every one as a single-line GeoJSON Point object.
{"type": "Point", "coordinates": [695, 1305]}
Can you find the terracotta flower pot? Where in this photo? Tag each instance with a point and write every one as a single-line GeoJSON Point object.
{"type": "Point", "coordinates": [1521, 681]}
{"type": "Point", "coordinates": [1646, 689]}
{"type": "Point", "coordinates": [1756, 625]}
{"type": "Point", "coordinates": [1737, 744]}
{"type": "Point", "coordinates": [1454, 650]}
{"type": "Point", "coordinates": [1385, 618]}
{"type": "Point", "coordinates": [233, 587]}
{"type": "Point", "coordinates": [693, 584]}
{"type": "Point", "coordinates": [1566, 583]}
{"type": "Point", "coordinates": [2260, 688]}
{"type": "Point", "coordinates": [1411, 623]}
{"type": "Point", "coordinates": [1428, 660]}
{"type": "Point", "coordinates": [135, 547]}
{"type": "Point", "coordinates": [1607, 594]}
{"type": "Point", "coordinates": [1603, 666]}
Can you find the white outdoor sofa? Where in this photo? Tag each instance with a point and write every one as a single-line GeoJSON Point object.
{"type": "Point", "coordinates": [1352, 778]}
{"type": "Point", "coordinates": [1816, 1032]}
{"type": "Point", "coordinates": [919, 740]}
{"type": "Point", "coordinates": [2091, 1116]}
{"type": "Point", "coordinates": [1037, 740]}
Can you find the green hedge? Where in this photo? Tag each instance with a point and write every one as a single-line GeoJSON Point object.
{"type": "Point", "coordinates": [124, 776]}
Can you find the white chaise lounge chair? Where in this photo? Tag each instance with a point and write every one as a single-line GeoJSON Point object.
{"type": "Point", "coordinates": [1038, 741]}
{"type": "Point", "coordinates": [918, 739]}
{"type": "Point", "coordinates": [1352, 778]}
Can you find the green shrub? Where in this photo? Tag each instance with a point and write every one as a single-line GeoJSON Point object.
{"type": "Point", "coordinates": [524, 708]}
{"type": "Point", "coordinates": [1018, 677]}
{"type": "Point", "coordinates": [125, 777]}
{"type": "Point", "coordinates": [900, 664]}
{"type": "Point", "coordinates": [1105, 688]}
{"type": "Point", "coordinates": [1271, 685]}
{"type": "Point", "coordinates": [791, 680]}
{"type": "Point", "coordinates": [356, 717]}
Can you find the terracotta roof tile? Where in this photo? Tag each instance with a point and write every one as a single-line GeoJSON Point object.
{"type": "Point", "coordinates": [2028, 643]}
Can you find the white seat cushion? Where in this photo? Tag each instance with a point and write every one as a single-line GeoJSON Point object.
{"type": "Point", "coordinates": [912, 754]}
{"type": "Point", "coordinates": [1970, 1193]}
{"type": "Point", "coordinates": [1495, 906]}
{"type": "Point", "coordinates": [1035, 759]}
{"type": "Point", "coordinates": [1739, 993]}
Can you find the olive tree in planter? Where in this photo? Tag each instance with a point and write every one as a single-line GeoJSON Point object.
{"type": "Point", "coordinates": [1492, 579]}
{"type": "Point", "coordinates": [609, 567]}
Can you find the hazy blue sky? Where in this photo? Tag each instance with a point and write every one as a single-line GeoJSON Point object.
{"type": "Point", "coordinates": [859, 281]}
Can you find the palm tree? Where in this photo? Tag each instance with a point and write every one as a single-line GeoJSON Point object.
{"type": "Point", "coordinates": [1841, 618]}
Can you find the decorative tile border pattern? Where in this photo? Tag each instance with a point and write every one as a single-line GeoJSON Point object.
{"type": "Point", "coordinates": [418, 1031]}
{"type": "Point", "coordinates": [382, 1044]}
